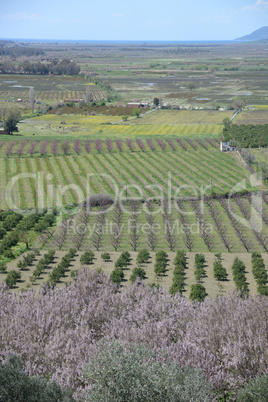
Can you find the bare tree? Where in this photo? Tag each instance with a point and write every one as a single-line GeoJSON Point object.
{"type": "Point", "coordinates": [168, 221]}
{"type": "Point", "coordinates": [186, 234]}
{"type": "Point", "coordinates": [116, 229]}
{"type": "Point", "coordinates": [134, 235]}
{"type": "Point", "coordinates": [31, 98]}
{"type": "Point", "coordinates": [99, 230]}
{"type": "Point", "coordinates": [152, 237]}
{"type": "Point", "coordinates": [61, 235]}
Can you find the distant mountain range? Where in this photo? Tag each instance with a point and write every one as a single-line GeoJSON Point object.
{"type": "Point", "coordinates": [260, 34]}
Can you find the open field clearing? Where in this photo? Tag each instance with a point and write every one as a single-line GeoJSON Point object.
{"type": "Point", "coordinates": [79, 125]}
{"type": "Point", "coordinates": [213, 287]}
{"type": "Point", "coordinates": [184, 130]}
{"type": "Point", "coordinates": [252, 117]}
{"type": "Point", "coordinates": [204, 117]}
{"type": "Point", "coordinates": [144, 172]}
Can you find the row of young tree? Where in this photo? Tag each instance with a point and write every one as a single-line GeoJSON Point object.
{"type": "Point", "coordinates": [66, 147]}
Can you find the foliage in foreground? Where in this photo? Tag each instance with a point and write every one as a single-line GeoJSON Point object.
{"type": "Point", "coordinates": [16, 386]}
{"type": "Point", "coordinates": [136, 373]}
{"type": "Point", "coordinates": [57, 332]}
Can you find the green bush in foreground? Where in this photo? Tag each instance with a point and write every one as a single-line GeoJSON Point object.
{"type": "Point", "coordinates": [16, 386]}
{"type": "Point", "coordinates": [255, 391]}
{"type": "Point", "coordinates": [136, 373]}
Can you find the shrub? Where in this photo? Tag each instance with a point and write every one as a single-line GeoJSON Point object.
{"type": "Point", "coordinates": [200, 271]}
{"type": "Point", "coordinates": [160, 267]}
{"type": "Point", "coordinates": [3, 267]}
{"type": "Point", "coordinates": [161, 256]}
{"type": "Point", "coordinates": [117, 276]}
{"type": "Point", "coordinates": [136, 373]}
{"type": "Point", "coordinates": [15, 385]}
{"type": "Point", "coordinates": [143, 257]}
{"type": "Point", "coordinates": [87, 258]}
{"type": "Point", "coordinates": [198, 292]}
{"type": "Point", "coordinates": [254, 391]}
{"type": "Point", "coordinates": [137, 273]}
{"type": "Point", "coordinates": [220, 273]}
{"type": "Point", "coordinates": [106, 256]}
{"type": "Point", "coordinates": [12, 278]}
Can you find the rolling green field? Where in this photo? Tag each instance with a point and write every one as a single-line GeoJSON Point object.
{"type": "Point", "coordinates": [148, 173]}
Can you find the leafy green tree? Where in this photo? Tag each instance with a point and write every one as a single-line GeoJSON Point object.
{"type": "Point", "coordinates": [106, 256]}
{"type": "Point", "coordinates": [137, 273]}
{"type": "Point", "coordinates": [10, 125]}
{"type": "Point", "coordinates": [219, 271]}
{"type": "Point", "coordinates": [198, 292]}
{"type": "Point", "coordinates": [156, 101]}
{"type": "Point", "coordinates": [3, 267]}
{"type": "Point", "coordinates": [15, 385]}
{"type": "Point", "coordinates": [87, 258]}
{"type": "Point", "coordinates": [136, 112]}
{"type": "Point", "coordinates": [191, 86]}
{"type": "Point", "coordinates": [143, 257]}
{"type": "Point", "coordinates": [12, 278]}
{"type": "Point", "coordinates": [117, 276]}
{"type": "Point", "coordinates": [160, 267]}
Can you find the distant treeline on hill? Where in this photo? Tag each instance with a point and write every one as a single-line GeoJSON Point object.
{"type": "Point", "coordinates": [58, 67]}
{"type": "Point", "coordinates": [248, 136]}
{"type": "Point", "coordinates": [17, 51]}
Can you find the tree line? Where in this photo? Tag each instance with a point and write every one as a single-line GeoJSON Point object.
{"type": "Point", "coordinates": [17, 51]}
{"type": "Point", "coordinates": [57, 67]}
{"type": "Point", "coordinates": [247, 135]}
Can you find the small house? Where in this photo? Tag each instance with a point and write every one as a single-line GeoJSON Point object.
{"type": "Point", "coordinates": [226, 147]}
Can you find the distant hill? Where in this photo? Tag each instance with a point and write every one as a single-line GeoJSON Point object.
{"type": "Point", "coordinates": [260, 34]}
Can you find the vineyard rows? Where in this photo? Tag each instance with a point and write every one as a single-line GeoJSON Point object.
{"type": "Point", "coordinates": [67, 147]}
{"type": "Point", "coordinates": [53, 95]}
{"type": "Point", "coordinates": [145, 174]}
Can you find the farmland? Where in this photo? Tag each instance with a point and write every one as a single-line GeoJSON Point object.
{"type": "Point", "coordinates": [137, 166]}
{"type": "Point", "coordinates": [252, 117]}
{"type": "Point", "coordinates": [213, 287]}
{"type": "Point", "coordinates": [205, 117]}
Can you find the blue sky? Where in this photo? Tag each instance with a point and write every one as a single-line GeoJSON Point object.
{"type": "Point", "coordinates": [131, 20]}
